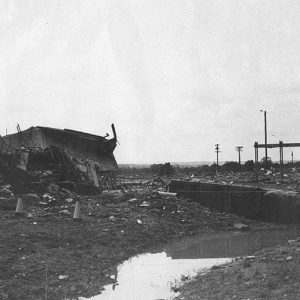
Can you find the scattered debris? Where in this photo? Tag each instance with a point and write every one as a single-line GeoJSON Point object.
{"type": "Point", "coordinates": [112, 218]}
{"type": "Point", "coordinates": [132, 200]}
{"type": "Point", "coordinates": [65, 212]}
{"type": "Point", "coordinates": [241, 226]}
{"type": "Point", "coordinates": [117, 226]}
{"type": "Point", "coordinates": [249, 257]}
{"type": "Point", "coordinates": [5, 190]}
{"type": "Point", "coordinates": [167, 194]}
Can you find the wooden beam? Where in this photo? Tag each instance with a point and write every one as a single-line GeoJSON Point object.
{"type": "Point", "coordinates": [281, 159]}
{"type": "Point", "coordinates": [277, 145]}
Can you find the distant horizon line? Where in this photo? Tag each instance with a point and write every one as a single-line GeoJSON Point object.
{"type": "Point", "coordinates": [171, 162]}
{"type": "Point", "coordinates": [190, 163]}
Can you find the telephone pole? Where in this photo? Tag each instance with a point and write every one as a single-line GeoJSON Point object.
{"type": "Point", "coordinates": [292, 154]}
{"type": "Point", "coordinates": [217, 150]}
{"type": "Point", "coordinates": [239, 149]}
{"type": "Point", "coordinates": [266, 140]}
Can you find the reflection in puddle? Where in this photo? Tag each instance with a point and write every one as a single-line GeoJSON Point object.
{"type": "Point", "coordinates": [152, 276]}
{"type": "Point", "coordinates": [230, 245]}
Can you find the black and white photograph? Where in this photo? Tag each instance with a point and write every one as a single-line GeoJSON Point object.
{"type": "Point", "coordinates": [149, 150]}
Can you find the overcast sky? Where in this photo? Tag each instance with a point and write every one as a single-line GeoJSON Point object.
{"type": "Point", "coordinates": [174, 76]}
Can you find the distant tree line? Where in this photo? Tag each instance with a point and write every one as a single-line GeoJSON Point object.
{"type": "Point", "coordinates": [163, 169]}
{"type": "Point", "coordinates": [167, 169]}
{"type": "Point", "coordinates": [155, 169]}
{"type": "Point", "coordinates": [228, 166]}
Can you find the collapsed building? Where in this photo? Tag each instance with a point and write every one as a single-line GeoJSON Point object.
{"type": "Point", "coordinates": [42, 155]}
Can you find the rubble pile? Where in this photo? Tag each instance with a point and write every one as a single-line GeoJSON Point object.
{"type": "Point", "coordinates": [32, 159]}
{"type": "Point", "coordinates": [55, 201]}
{"type": "Point", "coordinates": [35, 169]}
{"type": "Point", "coordinates": [267, 179]}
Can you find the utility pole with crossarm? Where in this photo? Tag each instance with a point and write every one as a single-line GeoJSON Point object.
{"type": "Point", "coordinates": [239, 149]}
{"type": "Point", "coordinates": [217, 151]}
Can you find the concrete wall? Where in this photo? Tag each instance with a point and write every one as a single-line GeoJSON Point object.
{"type": "Point", "coordinates": [250, 202]}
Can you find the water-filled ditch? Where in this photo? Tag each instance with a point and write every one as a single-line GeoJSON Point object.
{"type": "Point", "coordinates": [157, 275]}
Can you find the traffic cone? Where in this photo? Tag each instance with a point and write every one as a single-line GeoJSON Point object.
{"type": "Point", "coordinates": [20, 208]}
{"type": "Point", "coordinates": [77, 213]}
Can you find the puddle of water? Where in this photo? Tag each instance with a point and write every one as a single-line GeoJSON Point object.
{"type": "Point", "coordinates": [152, 276]}
{"type": "Point", "coordinates": [231, 245]}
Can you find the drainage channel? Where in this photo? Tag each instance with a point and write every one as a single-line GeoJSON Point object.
{"type": "Point", "coordinates": [154, 276]}
{"type": "Point", "coordinates": [250, 202]}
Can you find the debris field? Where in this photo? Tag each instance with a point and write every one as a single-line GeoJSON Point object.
{"type": "Point", "coordinates": [44, 250]}
{"type": "Point", "coordinates": [67, 220]}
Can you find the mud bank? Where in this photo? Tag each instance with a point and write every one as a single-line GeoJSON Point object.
{"type": "Point", "coordinates": [272, 273]}
{"type": "Point", "coordinates": [159, 275]}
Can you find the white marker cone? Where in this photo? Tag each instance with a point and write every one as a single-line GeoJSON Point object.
{"type": "Point", "coordinates": [77, 213]}
{"type": "Point", "coordinates": [20, 208]}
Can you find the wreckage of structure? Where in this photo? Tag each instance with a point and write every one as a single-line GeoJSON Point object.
{"type": "Point", "coordinates": [41, 155]}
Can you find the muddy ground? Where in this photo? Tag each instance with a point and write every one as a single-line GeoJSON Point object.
{"type": "Point", "coordinates": [271, 273]}
{"type": "Point", "coordinates": [45, 254]}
